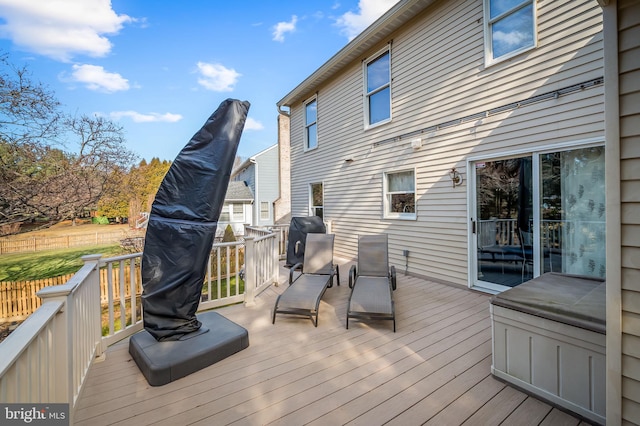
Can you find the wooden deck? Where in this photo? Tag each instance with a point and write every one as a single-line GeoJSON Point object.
{"type": "Point", "coordinates": [434, 370]}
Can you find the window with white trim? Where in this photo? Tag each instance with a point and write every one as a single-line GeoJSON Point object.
{"type": "Point", "coordinates": [311, 124]}
{"type": "Point", "coordinates": [232, 212]}
{"type": "Point", "coordinates": [224, 213]}
{"type": "Point", "coordinates": [316, 199]}
{"type": "Point", "coordinates": [238, 213]}
{"type": "Point", "coordinates": [264, 210]}
{"type": "Point", "coordinates": [400, 195]}
{"type": "Point", "coordinates": [510, 28]}
{"type": "Point", "coordinates": [377, 80]}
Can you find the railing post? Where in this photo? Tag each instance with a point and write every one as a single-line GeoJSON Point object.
{"type": "Point", "coordinates": [95, 307]}
{"type": "Point", "coordinates": [249, 271]}
{"type": "Point", "coordinates": [275, 257]}
{"type": "Point", "coordinates": [63, 350]}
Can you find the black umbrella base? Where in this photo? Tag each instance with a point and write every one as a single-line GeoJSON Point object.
{"type": "Point", "coordinates": [164, 362]}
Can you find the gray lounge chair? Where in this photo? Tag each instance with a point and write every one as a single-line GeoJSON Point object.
{"type": "Point", "coordinates": [303, 295]}
{"type": "Point", "coordinates": [372, 281]}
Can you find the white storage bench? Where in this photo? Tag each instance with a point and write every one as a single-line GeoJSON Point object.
{"type": "Point", "coordinates": [549, 340]}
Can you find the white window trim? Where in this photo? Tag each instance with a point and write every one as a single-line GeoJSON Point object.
{"type": "Point", "coordinates": [306, 136]}
{"type": "Point", "coordinates": [268, 210]}
{"type": "Point", "coordinates": [365, 94]}
{"type": "Point", "coordinates": [311, 205]}
{"type": "Point", "coordinates": [386, 214]}
{"type": "Point", "coordinates": [489, 60]}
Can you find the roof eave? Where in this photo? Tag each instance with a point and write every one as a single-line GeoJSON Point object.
{"type": "Point", "coordinates": [384, 26]}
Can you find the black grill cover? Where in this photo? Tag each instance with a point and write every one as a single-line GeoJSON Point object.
{"type": "Point", "coordinates": [298, 230]}
{"type": "Point", "coordinates": [183, 222]}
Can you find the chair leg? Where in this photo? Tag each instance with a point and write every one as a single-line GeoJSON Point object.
{"type": "Point", "coordinates": [275, 309]}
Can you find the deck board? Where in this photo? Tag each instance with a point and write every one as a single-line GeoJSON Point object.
{"type": "Point", "coordinates": [435, 369]}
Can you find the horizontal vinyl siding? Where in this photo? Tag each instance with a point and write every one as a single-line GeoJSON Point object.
{"type": "Point", "coordinates": [267, 185]}
{"type": "Point", "coordinates": [439, 75]}
{"type": "Point", "coordinates": [629, 68]}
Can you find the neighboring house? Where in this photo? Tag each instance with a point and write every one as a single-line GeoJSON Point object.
{"type": "Point", "coordinates": [237, 209]}
{"type": "Point", "coordinates": [260, 173]}
{"type": "Point", "coordinates": [445, 120]}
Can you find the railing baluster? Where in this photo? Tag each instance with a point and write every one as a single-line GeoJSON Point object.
{"type": "Point", "coordinates": [111, 299]}
{"type": "Point", "coordinates": [133, 289]}
{"type": "Point", "coordinates": [123, 296]}
{"type": "Point", "coordinates": [218, 273]}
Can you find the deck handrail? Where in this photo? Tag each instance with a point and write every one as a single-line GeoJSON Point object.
{"type": "Point", "coordinates": [281, 230]}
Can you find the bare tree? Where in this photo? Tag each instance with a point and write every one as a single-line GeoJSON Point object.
{"type": "Point", "coordinates": [51, 165]}
{"type": "Point", "coordinates": [29, 112]}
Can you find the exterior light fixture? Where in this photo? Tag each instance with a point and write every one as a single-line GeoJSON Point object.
{"type": "Point", "coordinates": [456, 177]}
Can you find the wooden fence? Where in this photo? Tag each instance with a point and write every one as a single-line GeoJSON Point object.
{"type": "Point", "coordinates": [18, 299]}
{"type": "Point", "coordinates": [62, 242]}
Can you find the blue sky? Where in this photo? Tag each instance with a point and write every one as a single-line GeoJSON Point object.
{"type": "Point", "coordinates": [160, 68]}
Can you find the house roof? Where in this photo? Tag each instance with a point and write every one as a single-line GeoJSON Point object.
{"type": "Point", "coordinates": [246, 163]}
{"type": "Point", "coordinates": [396, 17]}
{"type": "Point", "coordinates": [238, 191]}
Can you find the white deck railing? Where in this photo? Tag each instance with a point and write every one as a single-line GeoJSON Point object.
{"type": "Point", "coordinates": [46, 359]}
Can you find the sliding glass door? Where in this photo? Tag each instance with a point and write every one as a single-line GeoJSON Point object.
{"type": "Point", "coordinates": [538, 213]}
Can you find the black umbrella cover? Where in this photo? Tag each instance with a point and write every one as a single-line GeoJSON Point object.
{"type": "Point", "coordinates": [183, 222]}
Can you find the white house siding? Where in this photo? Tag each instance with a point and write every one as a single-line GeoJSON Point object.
{"type": "Point", "coordinates": [267, 188]}
{"type": "Point", "coordinates": [439, 75]}
{"type": "Point", "coordinates": [629, 86]}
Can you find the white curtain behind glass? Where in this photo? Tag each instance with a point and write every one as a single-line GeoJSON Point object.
{"type": "Point", "coordinates": [583, 212]}
{"type": "Point", "coordinates": [401, 182]}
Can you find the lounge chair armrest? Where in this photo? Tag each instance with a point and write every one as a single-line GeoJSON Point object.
{"type": "Point", "coordinates": [393, 277]}
{"type": "Point", "coordinates": [292, 269]}
{"type": "Point", "coordinates": [352, 276]}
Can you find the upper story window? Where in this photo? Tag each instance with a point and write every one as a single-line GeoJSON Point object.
{"type": "Point", "coordinates": [510, 28]}
{"type": "Point", "coordinates": [400, 195]}
{"type": "Point", "coordinates": [264, 210]}
{"type": "Point", "coordinates": [316, 199]}
{"type": "Point", "coordinates": [378, 89]}
{"type": "Point", "coordinates": [311, 124]}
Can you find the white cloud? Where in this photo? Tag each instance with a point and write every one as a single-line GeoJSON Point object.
{"type": "Point", "coordinates": [281, 28]}
{"type": "Point", "coordinates": [513, 38]}
{"type": "Point", "coordinates": [252, 124]}
{"type": "Point", "coordinates": [353, 24]}
{"type": "Point", "coordinates": [217, 77]}
{"type": "Point", "coordinates": [152, 117]}
{"type": "Point", "coordinates": [95, 77]}
{"type": "Point", "coordinates": [61, 29]}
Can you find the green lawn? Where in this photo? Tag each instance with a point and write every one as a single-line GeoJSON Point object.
{"type": "Point", "coordinates": [51, 263]}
